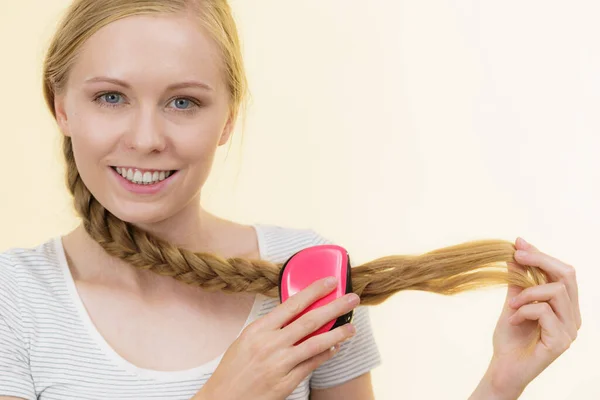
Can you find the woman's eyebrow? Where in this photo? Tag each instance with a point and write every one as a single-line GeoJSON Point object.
{"type": "Point", "coordinates": [115, 81]}
{"type": "Point", "coordinates": [180, 85]}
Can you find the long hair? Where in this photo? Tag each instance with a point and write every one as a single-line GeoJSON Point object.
{"type": "Point", "coordinates": [447, 271]}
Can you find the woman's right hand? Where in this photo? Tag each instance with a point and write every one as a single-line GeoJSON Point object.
{"type": "Point", "coordinates": [263, 363]}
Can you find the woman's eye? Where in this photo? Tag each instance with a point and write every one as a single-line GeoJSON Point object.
{"type": "Point", "coordinates": [114, 99]}
{"type": "Point", "coordinates": [111, 98]}
{"type": "Point", "coordinates": [183, 103]}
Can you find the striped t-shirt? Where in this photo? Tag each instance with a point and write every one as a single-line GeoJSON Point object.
{"type": "Point", "coordinates": [50, 349]}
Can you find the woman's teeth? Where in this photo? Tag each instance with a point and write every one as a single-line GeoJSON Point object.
{"type": "Point", "coordinates": [143, 178]}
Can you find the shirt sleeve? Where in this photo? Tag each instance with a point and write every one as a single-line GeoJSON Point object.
{"type": "Point", "coordinates": [357, 355]}
{"type": "Point", "coordinates": [15, 375]}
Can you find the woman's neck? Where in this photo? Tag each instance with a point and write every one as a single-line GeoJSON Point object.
{"type": "Point", "coordinates": [90, 263]}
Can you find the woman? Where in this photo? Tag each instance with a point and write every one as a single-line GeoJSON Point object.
{"type": "Point", "coordinates": [144, 92]}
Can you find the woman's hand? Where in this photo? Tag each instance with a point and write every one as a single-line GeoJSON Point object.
{"type": "Point", "coordinates": [555, 306]}
{"type": "Point", "coordinates": [265, 362]}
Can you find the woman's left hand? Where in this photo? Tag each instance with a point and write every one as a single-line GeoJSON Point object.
{"type": "Point", "coordinates": [554, 306]}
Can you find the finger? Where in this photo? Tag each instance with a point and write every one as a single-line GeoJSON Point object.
{"type": "Point", "coordinates": [557, 271]}
{"type": "Point", "coordinates": [522, 244]}
{"type": "Point", "coordinates": [294, 305]}
{"type": "Point", "coordinates": [556, 295]}
{"type": "Point", "coordinates": [513, 290]}
{"type": "Point", "coordinates": [318, 344]}
{"type": "Point", "coordinates": [554, 337]}
{"type": "Point", "coordinates": [303, 369]}
{"type": "Point", "coordinates": [315, 319]}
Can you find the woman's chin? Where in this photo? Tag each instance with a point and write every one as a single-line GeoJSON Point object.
{"type": "Point", "coordinates": [142, 215]}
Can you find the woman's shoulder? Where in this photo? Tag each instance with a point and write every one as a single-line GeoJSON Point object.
{"type": "Point", "coordinates": [22, 266]}
{"type": "Point", "coordinates": [280, 242]}
{"type": "Point", "coordinates": [276, 231]}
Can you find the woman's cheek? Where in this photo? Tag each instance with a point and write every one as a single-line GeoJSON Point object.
{"type": "Point", "coordinates": [194, 142]}
{"type": "Point", "coordinates": [99, 129]}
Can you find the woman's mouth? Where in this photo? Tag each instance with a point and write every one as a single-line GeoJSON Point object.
{"type": "Point", "coordinates": [143, 177]}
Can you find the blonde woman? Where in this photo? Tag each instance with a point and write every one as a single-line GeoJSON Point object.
{"type": "Point", "coordinates": [152, 297]}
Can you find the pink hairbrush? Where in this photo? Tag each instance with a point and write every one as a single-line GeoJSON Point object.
{"type": "Point", "coordinates": [309, 265]}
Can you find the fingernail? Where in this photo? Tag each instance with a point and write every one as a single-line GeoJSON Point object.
{"type": "Point", "coordinates": [331, 281]}
{"type": "Point", "coordinates": [513, 301]}
{"type": "Point", "coordinates": [353, 298]}
{"type": "Point", "coordinates": [521, 253]}
{"type": "Point", "coordinates": [351, 329]}
{"type": "Point", "coordinates": [523, 241]}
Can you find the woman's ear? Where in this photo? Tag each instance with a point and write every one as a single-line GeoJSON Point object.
{"type": "Point", "coordinates": [61, 115]}
{"type": "Point", "coordinates": [227, 131]}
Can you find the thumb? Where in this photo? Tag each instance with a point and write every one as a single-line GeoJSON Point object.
{"type": "Point", "coordinates": [512, 290]}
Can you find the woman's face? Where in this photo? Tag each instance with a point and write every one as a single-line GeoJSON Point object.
{"type": "Point", "coordinates": [146, 107]}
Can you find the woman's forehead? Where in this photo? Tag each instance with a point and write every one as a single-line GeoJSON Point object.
{"type": "Point", "coordinates": [151, 48]}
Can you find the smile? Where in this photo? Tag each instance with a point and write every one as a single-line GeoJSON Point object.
{"type": "Point", "coordinates": [143, 177]}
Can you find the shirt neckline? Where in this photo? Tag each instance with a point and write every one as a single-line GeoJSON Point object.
{"type": "Point", "coordinates": [116, 358]}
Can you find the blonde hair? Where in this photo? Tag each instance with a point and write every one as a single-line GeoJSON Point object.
{"type": "Point", "coordinates": [447, 271]}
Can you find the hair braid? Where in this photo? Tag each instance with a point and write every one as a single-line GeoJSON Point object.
{"type": "Point", "coordinates": [447, 271]}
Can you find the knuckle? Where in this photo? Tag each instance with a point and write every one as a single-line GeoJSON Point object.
{"type": "Point", "coordinates": [309, 347]}
{"type": "Point", "coordinates": [255, 344]}
{"type": "Point", "coordinates": [566, 345]}
{"type": "Point", "coordinates": [250, 330]}
{"type": "Point", "coordinates": [524, 296]}
{"type": "Point", "coordinates": [343, 333]}
{"type": "Point", "coordinates": [314, 348]}
{"type": "Point", "coordinates": [342, 304]}
{"type": "Point", "coordinates": [545, 308]}
{"type": "Point", "coordinates": [562, 289]}
{"type": "Point", "coordinates": [311, 324]}
{"type": "Point", "coordinates": [560, 346]}
{"type": "Point", "coordinates": [294, 308]}
{"type": "Point", "coordinates": [570, 272]}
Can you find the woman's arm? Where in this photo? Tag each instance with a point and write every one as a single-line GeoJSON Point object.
{"type": "Point", "coordinates": [548, 313]}
{"type": "Point", "coordinates": [487, 390]}
{"type": "Point", "coordinates": [359, 388]}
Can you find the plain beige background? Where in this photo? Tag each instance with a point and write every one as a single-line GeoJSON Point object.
{"type": "Point", "coordinates": [390, 127]}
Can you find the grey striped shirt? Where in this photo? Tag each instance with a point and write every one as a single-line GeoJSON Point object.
{"type": "Point", "coordinates": [50, 349]}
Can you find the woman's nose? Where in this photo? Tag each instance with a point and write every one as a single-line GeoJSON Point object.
{"type": "Point", "coordinates": [146, 133]}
